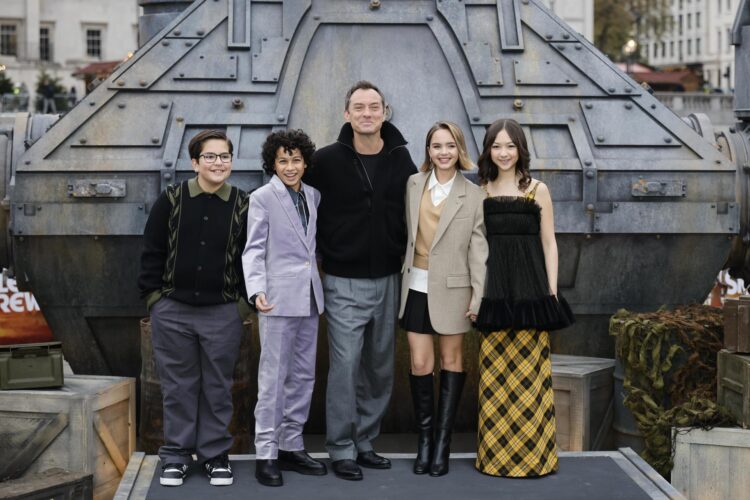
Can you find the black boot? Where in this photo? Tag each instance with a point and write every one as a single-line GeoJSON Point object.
{"type": "Point", "coordinates": [424, 401]}
{"type": "Point", "coordinates": [451, 385]}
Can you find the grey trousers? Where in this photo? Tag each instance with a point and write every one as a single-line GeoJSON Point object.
{"type": "Point", "coordinates": [286, 376]}
{"type": "Point", "coordinates": [195, 350]}
{"type": "Point", "coordinates": [361, 315]}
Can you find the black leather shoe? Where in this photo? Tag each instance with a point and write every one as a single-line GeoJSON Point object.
{"type": "Point", "coordinates": [267, 472]}
{"type": "Point", "coordinates": [302, 462]}
{"type": "Point", "coordinates": [347, 469]}
{"type": "Point", "coordinates": [372, 460]}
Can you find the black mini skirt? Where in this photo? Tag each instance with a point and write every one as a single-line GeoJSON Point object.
{"type": "Point", "coordinates": [416, 316]}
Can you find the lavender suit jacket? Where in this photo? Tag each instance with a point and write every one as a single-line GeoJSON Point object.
{"type": "Point", "coordinates": [279, 258]}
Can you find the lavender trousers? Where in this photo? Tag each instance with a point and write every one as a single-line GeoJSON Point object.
{"type": "Point", "coordinates": [286, 375]}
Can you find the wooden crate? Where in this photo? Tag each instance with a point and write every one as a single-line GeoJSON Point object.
{"type": "Point", "coordinates": [583, 390]}
{"type": "Point", "coordinates": [712, 464]}
{"type": "Point", "coordinates": [86, 426]}
{"type": "Point", "coordinates": [733, 373]}
{"type": "Point", "coordinates": [737, 324]}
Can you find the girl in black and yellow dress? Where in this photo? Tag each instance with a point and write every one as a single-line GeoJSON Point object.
{"type": "Point", "coordinates": [516, 433]}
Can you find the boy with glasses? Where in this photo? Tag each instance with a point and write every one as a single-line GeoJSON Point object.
{"type": "Point", "coordinates": [191, 278]}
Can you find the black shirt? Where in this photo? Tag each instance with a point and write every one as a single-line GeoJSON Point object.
{"type": "Point", "coordinates": [192, 245]}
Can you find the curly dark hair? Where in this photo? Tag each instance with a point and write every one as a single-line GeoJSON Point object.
{"type": "Point", "coordinates": [289, 140]}
{"type": "Point", "coordinates": [488, 170]}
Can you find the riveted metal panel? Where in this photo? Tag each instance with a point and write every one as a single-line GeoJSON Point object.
{"type": "Point", "coordinates": [149, 115]}
{"type": "Point", "coordinates": [206, 16]}
{"type": "Point", "coordinates": [270, 53]}
{"type": "Point", "coordinates": [605, 121]}
{"type": "Point", "coordinates": [540, 73]}
{"type": "Point", "coordinates": [207, 67]}
{"type": "Point", "coordinates": [94, 219]}
{"type": "Point", "coordinates": [151, 65]}
{"type": "Point", "coordinates": [479, 47]}
{"type": "Point", "coordinates": [663, 217]}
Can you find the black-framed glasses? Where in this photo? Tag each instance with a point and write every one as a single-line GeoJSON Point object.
{"type": "Point", "coordinates": [211, 157]}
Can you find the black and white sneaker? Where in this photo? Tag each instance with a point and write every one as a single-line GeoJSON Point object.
{"type": "Point", "coordinates": [173, 474]}
{"type": "Point", "coordinates": [219, 471]}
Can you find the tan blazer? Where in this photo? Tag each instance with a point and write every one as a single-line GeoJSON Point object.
{"type": "Point", "coordinates": [458, 256]}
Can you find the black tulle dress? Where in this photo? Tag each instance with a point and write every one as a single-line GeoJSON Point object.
{"type": "Point", "coordinates": [517, 291]}
{"type": "Point", "coordinates": [516, 432]}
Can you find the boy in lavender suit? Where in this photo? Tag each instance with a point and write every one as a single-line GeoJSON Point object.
{"type": "Point", "coordinates": [282, 279]}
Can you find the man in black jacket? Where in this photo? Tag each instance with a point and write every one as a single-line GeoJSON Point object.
{"type": "Point", "coordinates": [361, 237]}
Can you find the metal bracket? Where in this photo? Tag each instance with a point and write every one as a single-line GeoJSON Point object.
{"type": "Point", "coordinates": [509, 22]}
{"type": "Point", "coordinates": [658, 187]}
{"type": "Point", "coordinates": [239, 24]}
{"type": "Point", "coordinates": [268, 61]}
{"type": "Point", "coordinates": [485, 65]}
{"type": "Point", "coordinates": [97, 188]}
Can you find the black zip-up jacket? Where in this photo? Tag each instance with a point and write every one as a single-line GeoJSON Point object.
{"type": "Point", "coordinates": [361, 223]}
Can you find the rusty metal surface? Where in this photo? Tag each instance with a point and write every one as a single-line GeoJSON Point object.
{"type": "Point", "coordinates": [599, 141]}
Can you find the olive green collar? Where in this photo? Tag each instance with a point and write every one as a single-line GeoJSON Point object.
{"type": "Point", "coordinates": [195, 189]}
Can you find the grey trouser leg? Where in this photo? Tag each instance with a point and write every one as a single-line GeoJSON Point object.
{"type": "Point", "coordinates": [286, 376]}
{"type": "Point", "coordinates": [195, 350]}
{"type": "Point", "coordinates": [361, 315]}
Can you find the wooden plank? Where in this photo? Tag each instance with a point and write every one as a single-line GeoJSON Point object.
{"type": "Point", "coordinates": [119, 391]}
{"type": "Point", "coordinates": [132, 422]}
{"type": "Point", "coordinates": [718, 436]}
{"type": "Point", "coordinates": [648, 471]}
{"type": "Point", "coordinates": [740, 483]}
{"type": "Point", "coordinates": [635, 474]}
{"type": "Point", "coordinates": [143, 482]}
{"type": "Point", "coordinates": [604, 428]}
{"type": "Point", "coordinates": [109, 443]}
{"type": "Point", "coordinates": [130, 475]}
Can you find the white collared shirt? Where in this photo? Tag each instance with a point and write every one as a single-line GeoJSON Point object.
{"type": "Point", "coordinates": [438, 193]}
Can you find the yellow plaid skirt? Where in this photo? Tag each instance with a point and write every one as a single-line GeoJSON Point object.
{"type": "Point", "coordinates": [516, 434]}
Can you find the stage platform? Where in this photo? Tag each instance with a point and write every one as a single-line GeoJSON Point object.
{"type": "Point", "coordinates": [605, 475]}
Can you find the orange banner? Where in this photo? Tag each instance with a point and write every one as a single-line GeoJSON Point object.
{"type": "Point", "coordinates": [21, 321]}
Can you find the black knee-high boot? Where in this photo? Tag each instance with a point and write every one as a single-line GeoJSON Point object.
{"type": "Point", "coordinates": [451, 386]}
{"type": "Point", "coordinates": [424, 401]}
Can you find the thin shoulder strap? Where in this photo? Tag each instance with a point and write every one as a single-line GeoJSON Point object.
{"type": "Point", "coordinates": [530, 194]}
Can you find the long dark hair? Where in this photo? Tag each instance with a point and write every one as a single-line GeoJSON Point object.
{"type": "Point", "coordinates": [488, 170]}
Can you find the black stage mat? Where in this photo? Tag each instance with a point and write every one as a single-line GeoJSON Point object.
{"type": "Point", "coordinates": [578, 477]}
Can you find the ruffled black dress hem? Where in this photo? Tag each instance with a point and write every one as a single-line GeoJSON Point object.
{"type": "Point", "coordinates": [545, 314]}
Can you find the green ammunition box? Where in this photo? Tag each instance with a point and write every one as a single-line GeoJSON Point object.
{"type": "Point", "coordinates": [31, 366]}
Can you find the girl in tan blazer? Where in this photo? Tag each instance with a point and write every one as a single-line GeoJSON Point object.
{"type": "Point", "coordinates": [442, 286]}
